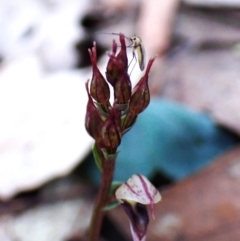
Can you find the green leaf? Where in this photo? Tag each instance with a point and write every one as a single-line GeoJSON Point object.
{"type": "Point", "coordinates": [111, 206]}
{"type": "Point", "coordinates": [97, 157]}
{"type": "Point", "coordinates": [114, 186]}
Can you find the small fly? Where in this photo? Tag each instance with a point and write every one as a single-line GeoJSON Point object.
{"type": "Point", "coordinates": [136, 44]}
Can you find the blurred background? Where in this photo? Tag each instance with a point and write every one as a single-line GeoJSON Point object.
{"type": "Point", "coordinates": [186, 142]}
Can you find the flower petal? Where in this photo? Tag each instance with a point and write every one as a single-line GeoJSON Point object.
{"type": "Point", "coordinates": [135, 236]}
{"type": "Point", "coordinates": [138, 216]}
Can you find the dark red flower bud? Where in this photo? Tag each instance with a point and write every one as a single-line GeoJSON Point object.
{"type": "Point", "coordinates": [141, 94]}
{"type": "Point", "coordinates": [113, 68]}
{"type": "Point", "coordinates": [99, 88]}
{"type": "Point", "coordinates": [111, 130]}
{"type": "Point", "coordinates": [122, 55]}
{"type": "Point", "coordinates": [93, 120]}
{"type": "Point", "coordinates": [117, 64]}
{"type": "Point", "coordinates": [123, 89]}
{"type": "Point", "coordinates": [129, 120]}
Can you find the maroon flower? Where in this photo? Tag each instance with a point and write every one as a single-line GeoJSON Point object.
{"type": "Point", "coordinates": [111, 131]}
{"type": "Point", "coordinates": [117, 64]}
{"type": "Point", "coordinates": [93, 120]}
{"type": "Point", "coordinates": [99, 88]}
{"type": "Point", "coordinates": [123, 89]}
{"type": "Point", "coordinates": [141, 94]}
{"type": "Point", "coordinates": [122, 55]}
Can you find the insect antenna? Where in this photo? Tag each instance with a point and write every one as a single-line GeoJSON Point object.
{"type": "Point", "coordinates": [129, 39]}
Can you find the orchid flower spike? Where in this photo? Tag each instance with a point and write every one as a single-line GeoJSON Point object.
{"type": "Point", "coordinates": [134, 195]}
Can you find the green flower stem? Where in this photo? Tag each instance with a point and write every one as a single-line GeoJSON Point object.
{"type": "Point", "coordinates": [101, 201]}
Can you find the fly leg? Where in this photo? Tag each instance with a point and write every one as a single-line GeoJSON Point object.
{"type": "Point", "coordinates": [133, 58]}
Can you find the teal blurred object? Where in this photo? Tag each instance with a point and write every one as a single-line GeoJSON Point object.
{"type": "Point", "coordinates": [170, 138]}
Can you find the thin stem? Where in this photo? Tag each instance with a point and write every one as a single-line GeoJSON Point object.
{"type": "Point", "coordinates": [101, 201]}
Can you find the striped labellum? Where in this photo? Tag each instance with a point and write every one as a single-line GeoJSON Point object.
{"type": "Point", "coordinates": [138, 189]}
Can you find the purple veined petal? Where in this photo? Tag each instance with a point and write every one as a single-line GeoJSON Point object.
{"type": "Point", "coordinates": [135, 236]}
{"type": "Point", "coordinates": [138, 217]}
{"type": "Point", "coordinates": [138, 189]}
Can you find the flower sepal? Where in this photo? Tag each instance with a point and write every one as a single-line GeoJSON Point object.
{"type": "Point", "coordinates": [108, 156]}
